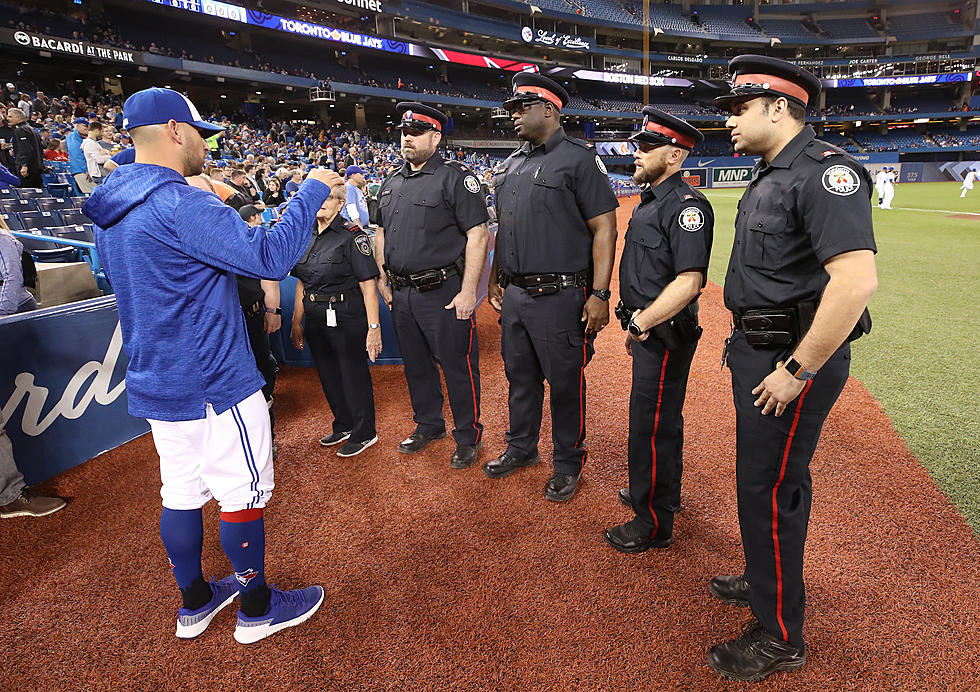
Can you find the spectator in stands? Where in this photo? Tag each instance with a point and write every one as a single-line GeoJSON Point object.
{"type": "Point", "coordinates": [16, 499]}
{"type": "Point", "coordinates": [14, 297]}
{"type": "Point", "coordinates": [25, 105]}
{"type": "Point", "coordinates": [56, 150]}
{"type": "Point", "coordinates": [77, 167]}
{"type": "Point", "coordinates": [28, 152]}
{"type": "Point", "coordinates": [273, 195]}
{"type": "Point", "coordinates": [40, 105]}
{"type": "Point", "coordinates": [355, 210]}
{"type": "Point", "coordinates": [6, 129]}
{"type": "Point", "coordinates": [242, 195]}
{"type": "Point", "coordinates": [95, 155]}
{"type": "Point", "coordinates": [295, 178]}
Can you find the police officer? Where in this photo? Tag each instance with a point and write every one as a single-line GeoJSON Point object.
{"type": "Point", "coordinates": [661, 274]}
{"type": "Point", "coordinates": [554, 256]}
{"type": "Point", "coordinates": [432, 246]}
{"type": "Point", "coordinates": [801, 273]}
{"type": "Point", "coordinates": [336, 295]}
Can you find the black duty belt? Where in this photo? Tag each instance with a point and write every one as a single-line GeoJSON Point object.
{"type": "Point", "coordinates": [545, 284]}
{"type": "Point", "coordinates": [328, 297]}
{"type": "Point", "coordinates": [681, 329]}
{"type": "Point", "coordinates": [774, 326]}
{"type": "Point", "coordinates": [423, 281]}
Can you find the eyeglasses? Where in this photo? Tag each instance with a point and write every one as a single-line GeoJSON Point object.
{"type": "Point", "coordinates": [522, 107]}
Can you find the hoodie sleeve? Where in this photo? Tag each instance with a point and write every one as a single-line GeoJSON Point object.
{"type": "Point", "coordinates": [213, 232]}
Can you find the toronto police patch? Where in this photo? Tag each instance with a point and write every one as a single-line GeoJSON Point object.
{"type": "Point", "coordinates": [840, 180]}
{"type": "Point", "coordinates": [472, 184]}
{"type": "Point", "coordinates": [363, 244]}
{"type": "Point", "coordinates": [691, 219]}
{"type": "Point", "coordinates": [600, 164]}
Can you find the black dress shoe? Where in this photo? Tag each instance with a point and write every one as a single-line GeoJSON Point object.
{"type": "Point", "coordinates": [755, 655]}
{"type": "Point", "coordinates": [335, 438]}
{"type": "Point", "coordinates": [465, 455]}
{"type": "Point", "coordinates": [731, 589]}
{"type": "Point", "coordinates": [418, 441]}
{"type": "Point", "coordinates": [634, 537]}
{"type": "Point", "coordinates": [507, 463]}
{"type": "Point", "coordinates": [627, 499]}
{"type": "Point", "coordinates": [560, 487]}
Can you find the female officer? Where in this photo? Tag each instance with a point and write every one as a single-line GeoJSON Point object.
{"type": "Point", "coordinates": [337, 295]}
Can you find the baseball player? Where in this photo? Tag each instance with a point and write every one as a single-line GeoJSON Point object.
{"type": "Point", "coordinates": [880, 183]}
{"type": "Point", "coordinates": [968, 180]}
{"type": "Point", "coordinates": [888, 188]}
{"type": "Point", "coordinates": [171, 252]}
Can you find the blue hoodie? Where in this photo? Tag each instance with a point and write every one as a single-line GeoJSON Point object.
{"type": "Point", "coordinates": [171, 252]}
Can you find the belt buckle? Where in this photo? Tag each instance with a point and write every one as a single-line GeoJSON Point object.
{"type": "Point", "coordinates": [427, 281]}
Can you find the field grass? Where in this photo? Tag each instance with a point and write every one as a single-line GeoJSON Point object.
{"type": "Point", "coordinates": [921, 358]}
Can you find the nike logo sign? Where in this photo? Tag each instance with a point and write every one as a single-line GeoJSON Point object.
{"type": "Point", "coordinates": [704, 163]}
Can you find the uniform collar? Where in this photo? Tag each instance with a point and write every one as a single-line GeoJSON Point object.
{"type": "Point", "coordinates": [428, 168]}
{"type": "Point", "coordinates": [549, 144]}
{"type": "Point", "coordinates": [794, 148]}
{"type": "Point", "coordinates": [658, 192]}
{"type": "Point", "coordinates": [338, 224]}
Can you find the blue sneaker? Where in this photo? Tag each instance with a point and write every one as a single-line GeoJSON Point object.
{"type": "Point", "coordinates": [286, 609]}
{"type": "Point", "coordinates": [191, 623]}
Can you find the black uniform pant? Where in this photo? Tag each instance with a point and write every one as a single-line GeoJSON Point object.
{"type": "Point", "coordinates": [430, 335]}
{"type": "Point", "coordinates": [772, 470]}
{"type": "Point", "coordinates": [543, 338]}
{"type": "Point", "coordinates": [340, 357]}
{"type": "Point", "coordinates": [33, 179]}
{"type": "Point", "coordinates": [656, 435]}
{"type": "Point", "coordinates": [264, 360]}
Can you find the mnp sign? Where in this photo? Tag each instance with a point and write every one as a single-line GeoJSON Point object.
{"type": "Point", "coordinates": [63, 387]}
{"type": "Point", "coordinates": [730, 177]}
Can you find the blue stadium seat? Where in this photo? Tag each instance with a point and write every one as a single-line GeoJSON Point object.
{"type": "Point", "coordinates": [78, 202]}
{"type": "Point", "coordinates": [81, 232]}
{"type": "Point", "coordinates": [12, 221]}
{"type": "Point", "coordinates": [60, 189]}
{"type": "Point", "coordinates": [33, 192]}
{"type": "Point", "coordinates": [41, 219]}
{"type": "Point", "coordinates": [9, 193]}
{"type": "Point", "coordinates": [52, 204]}
{"type": "Point", "coordinates": [13, 206]}
{"type": "Point", "coordinates": [74, 216]}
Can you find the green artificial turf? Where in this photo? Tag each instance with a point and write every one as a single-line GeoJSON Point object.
{"type": "Point", "coordinates": [921, 360]}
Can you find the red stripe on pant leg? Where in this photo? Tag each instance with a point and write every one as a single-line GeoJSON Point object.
{"type": "Point", "coordinates": [581, 390]}
{"type": "Point", "coordinates": [775, 514]}
{"type": "Point", "coordinates": [469, 366]}
{"type": "Point", "coordinates": [653, 443]}
{"type": "Point", "coordinates": [242, 515]}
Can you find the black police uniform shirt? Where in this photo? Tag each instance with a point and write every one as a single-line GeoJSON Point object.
{"type": "Point", "coordinates": [425, 214]}
{"type": "Point", "coordinates": [670, 232]}
{"type": "Point", "coordinates": [544, 196]}
{"type": "Point", "coordinates": [810, 203]}
{"type": "Point", "coordinates": [337, 260]}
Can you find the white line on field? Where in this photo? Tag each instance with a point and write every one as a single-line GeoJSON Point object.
{"type": "Point", "coordinates": [941, 211]}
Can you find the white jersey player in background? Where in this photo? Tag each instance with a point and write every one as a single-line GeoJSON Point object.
{"type": "Point", "coordinates": [888, 188]}
{"type": "Point", "coordinates": [971, 177]}
{"type": "Point", "coordinates": [880, 184]}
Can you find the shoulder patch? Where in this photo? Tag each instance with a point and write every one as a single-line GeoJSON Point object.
{"type": "Point", "coordinates": [818, 151]}
{"type": "Point", "coordinates": [579, 142]}
{"type": "Point", "coordinates": [691, 219]}
{"type": "Point", "coordinates": [471, 184]}
{"type": "Point", "coordinates": [363, 244]}
{"type": "Point", "coordinates": [385, 192]}
{"type": "Point", "coordinates": [840, 180]}
{"type": "Point", "coordinates": [600, 164]}
{"type": "Point", "coordinates": [688, 197]}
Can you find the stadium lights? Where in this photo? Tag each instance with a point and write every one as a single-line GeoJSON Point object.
{"type": "Point", "coordinates": [921, 120]}
{"type": "Point", "coordinates": [119, 76]}
{"type": "Point", "coordinates": [258, 93]}
{"type": "Point", "coordinates": [281, 102]}
{"type": "Point", "coordinates": [224, 96]}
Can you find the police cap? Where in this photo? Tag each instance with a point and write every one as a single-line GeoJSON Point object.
{"type": "Point", "coordinates": [530, 87]}
{"type": "Point", "coordinates": [759, 75]}
{"type": "Point", "coordinates": [662, 128]}
{"type": "Point", "coordinates": [418, 116]}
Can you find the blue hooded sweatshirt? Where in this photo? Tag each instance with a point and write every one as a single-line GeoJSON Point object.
{"type": "Point", "coordinates": [171, 252]}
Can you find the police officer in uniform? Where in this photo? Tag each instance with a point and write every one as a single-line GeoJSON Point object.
{"type": "Point", "coordinates": [432, 246]}
{"type": "Point", "coordinates": [554, 256]}
{"type": "Point", "coordinates": [336, 294]}
{"type": "Point", "coordinates": [661, 274]}
{"type": "Point", "coordinates": [801, 273]}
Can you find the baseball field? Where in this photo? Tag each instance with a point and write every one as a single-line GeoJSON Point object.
{"type": "Point", "coordinates": [440, 579]}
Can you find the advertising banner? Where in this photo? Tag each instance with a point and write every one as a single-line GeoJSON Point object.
{"type": "Point", "coordinates": [903, 80]}
{"type": "Point", "coordinates": [696, 177]}
{"type": "Point", "coordinates": [553, 39]}
{"type": "Point", "coordinates": [623, 148]}
{"type": "Point", "coordinates": [63, 387]}
{"type": "Point", "coordinates": [730, 177]}
{"type": "Point", "coordinates": [64, 46]}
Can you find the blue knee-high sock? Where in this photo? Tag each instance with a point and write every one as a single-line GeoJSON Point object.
{"type": "Point", "coordinates": [243, 540]}
{"type": "Point", "coordinates": [182, 531]}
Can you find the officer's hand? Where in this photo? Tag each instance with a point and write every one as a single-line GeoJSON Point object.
{"type": "Point", "coordinates": [296, 335]}
{"type": "Point", "coordinates": [23, 171]}
{"type": "Point", "coordinates": [642, 337]}
{"type": "Point", "coordinates": [374, 344]}
{"type": "Point", "coordinates": [595, 314]}
{"type": "Point", "coordinates": [629, 345]}
{"type": "Point", "coordinates": [465, 303]}
{"type": "Point", "coordinates": [328, 178]}
{"type": "Point", "coordinates": [778, 390]}
{"type": "Point", "coordinates": [385, 290]}
{"type": "Point", "coordinates": [272, 323]}
{"type": "Point", "coordinates": [495, 295]}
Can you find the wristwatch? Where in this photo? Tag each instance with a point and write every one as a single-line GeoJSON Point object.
{"type": "Point", "coordinates": [798, 371]}
{"type": "Point", "coordinates": [277, 311]}
{"type": "Point", "coordinates": [374, 326]}
{"type": "Point", "coordinates": [601, 293]}
{"type": "Point", "coordinates": [634, 329]}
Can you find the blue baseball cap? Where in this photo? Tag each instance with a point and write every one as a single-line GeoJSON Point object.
{"type": "Point", "coordinates": [353, 170]}
{"type": "Point", "coordinates": [80, 121]}
{"type": "Point", "coordinates": [221, 164]}
{"type": "Point", "coordinates": [155, 106]}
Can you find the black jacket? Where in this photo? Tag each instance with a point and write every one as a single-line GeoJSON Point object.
{"type": "Point", "coordinates": [28, 150]}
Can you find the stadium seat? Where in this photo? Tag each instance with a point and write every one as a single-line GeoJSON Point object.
{"type": "Point", "coordinates": [78, 232]}
{"type": "Point", "coordinates": [12, 221]}
{"type": "Point", "coordinates": [13, 206]}
{"type": "Point", "coordinates": [41, 219]}
{"type": "Point", "coordinates": [78, 202]}
{"type": "Point", "coordinates": [74, 216]}
{"type": "Point", "coordinates": [9, 193]}
{"type": "Point", "coordinates": [52, 204]}
{"type": "Point", "coordinates": [33, 192]}
{"type": "Point", "coordinates": [60, 189]}
{"type": "Point", "coordinates": [49, 252]}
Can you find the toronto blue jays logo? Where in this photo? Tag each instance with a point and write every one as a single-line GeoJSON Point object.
{"type": "Point", "coordinates": [245, 577]}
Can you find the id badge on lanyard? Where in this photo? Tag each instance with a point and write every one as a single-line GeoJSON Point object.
{"type": "Point", "coordinates": [331, 317]}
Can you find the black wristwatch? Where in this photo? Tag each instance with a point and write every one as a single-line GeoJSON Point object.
{"type": "Point", "coordinates": [601, 293]}
{"type": "Point", "coordinates": [634, 329]}
{"type": "Point", "coordinates": [277, 311]}
{"type": "Point", "coordinates": [798, 371]}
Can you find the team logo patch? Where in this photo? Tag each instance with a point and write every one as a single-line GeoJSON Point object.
{"type": "Point", "coordinates": [472, 184]}
{"type": "Point", "coordinates": [829, 152]}
{"type": "Point", "coordinates": [245, 577]}
{"type": "Point", "coordinates": [600, 164]}
{"type": "Point", "coordinates": [691, 219]}
{"type": "Point", "coordinates": [363, 244]}
{"type": "Point", "coordinates": [840, 180]}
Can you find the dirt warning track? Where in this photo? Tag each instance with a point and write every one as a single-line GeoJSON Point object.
{"type": "Point", "coordinates": [440, 579]}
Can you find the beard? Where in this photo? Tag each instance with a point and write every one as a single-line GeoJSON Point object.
{"type": "Point", "coordinates": [417, 155]}
{"type": "Point", "coordinates": [193, 160]}
{"type": "Point", "coordinates": [649, 173]}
